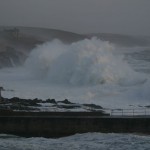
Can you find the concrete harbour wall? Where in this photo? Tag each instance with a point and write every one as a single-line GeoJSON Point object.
{"type": "Point", "coordinates": [64, 125]}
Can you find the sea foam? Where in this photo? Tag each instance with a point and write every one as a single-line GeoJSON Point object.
{"type": "Point", "coordinates": [87, 62]}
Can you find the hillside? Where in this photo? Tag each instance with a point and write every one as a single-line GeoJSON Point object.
{"type": "Point", "coordinates": [123, 40]}
{"type": "Point", "coordinates": [17, 42]}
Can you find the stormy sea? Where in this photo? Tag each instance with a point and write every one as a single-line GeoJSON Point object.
{"type": "Point", "coordinates": [87, 141]}
{"type": "Point", "coordinates": [98, 69]}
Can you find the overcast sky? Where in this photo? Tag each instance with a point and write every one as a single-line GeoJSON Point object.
{"type": "Point", "coordinates": [81, 16]}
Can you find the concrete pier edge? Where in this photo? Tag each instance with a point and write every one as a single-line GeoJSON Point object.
{"type": "Point", "coordinates": [60, 124]}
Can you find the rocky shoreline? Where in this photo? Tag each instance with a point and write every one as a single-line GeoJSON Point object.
{"type": "Point", "coordinates": [48, 105]}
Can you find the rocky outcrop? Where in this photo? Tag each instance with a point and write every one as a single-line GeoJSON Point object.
{"type": "Point", "coordinates": [18, 104]}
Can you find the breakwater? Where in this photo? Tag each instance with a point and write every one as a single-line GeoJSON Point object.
{"type": "Point", "coordinates": [59, 124]}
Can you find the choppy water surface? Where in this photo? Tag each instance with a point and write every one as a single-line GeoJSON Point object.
{"type": "Point", "coordinates": [88, 71]}
{"type": "Point", "coordinates": [88, 141]}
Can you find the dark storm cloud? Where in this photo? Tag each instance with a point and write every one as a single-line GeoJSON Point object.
{"type": "Point", "coordinates": [83, 16]}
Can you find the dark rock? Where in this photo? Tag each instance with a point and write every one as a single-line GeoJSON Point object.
{"type": "Point", "coordinates": [37, 100]}
{"type": "Point", "coordinates": [19, 104]}
{"type": "Point", "coordinates": [140, 106]}
{"type": "Point", "coordinates": [68, 106]}
{"type": "Point", "coordinates": [25, 102]}
{"type": "Point", "coordinates": [20, 107]}
{"type": "Point", "coordinates": [53, 101]}
{"type": "Point", "coordinates": [93, 106]}
{"type": "Point", "coordinates": [66, 101]}
{"type": "Point", "coordinates": [148, 106]}
{"type": "Point", "coordinates": [14, 99]}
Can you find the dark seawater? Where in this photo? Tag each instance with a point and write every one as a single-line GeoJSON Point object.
{"type": "Point", "coordinates": [88, 141]}
{"type": "Point", "coordinates": [89, 71]}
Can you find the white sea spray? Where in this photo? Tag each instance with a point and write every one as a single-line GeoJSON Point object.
{"type": "Point", "coordinates": [87, 71]}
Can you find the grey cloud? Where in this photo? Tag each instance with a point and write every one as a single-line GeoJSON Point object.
{"type": "Point", "coordinates": [82, 16]}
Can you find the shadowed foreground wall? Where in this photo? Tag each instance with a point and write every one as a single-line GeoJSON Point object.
{"type": "Point", "coordinates": [58, 126]}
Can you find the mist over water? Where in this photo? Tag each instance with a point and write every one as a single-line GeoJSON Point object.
{"type": "Point", "coordinates": [41, 58]}
{"type": "Point", "coordinates": [87, 71]}
{"type": "Point", "coordinates": [87, 62]}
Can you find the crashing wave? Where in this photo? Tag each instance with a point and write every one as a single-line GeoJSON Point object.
{"type": "Point", "coordinates": [87, 62]}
